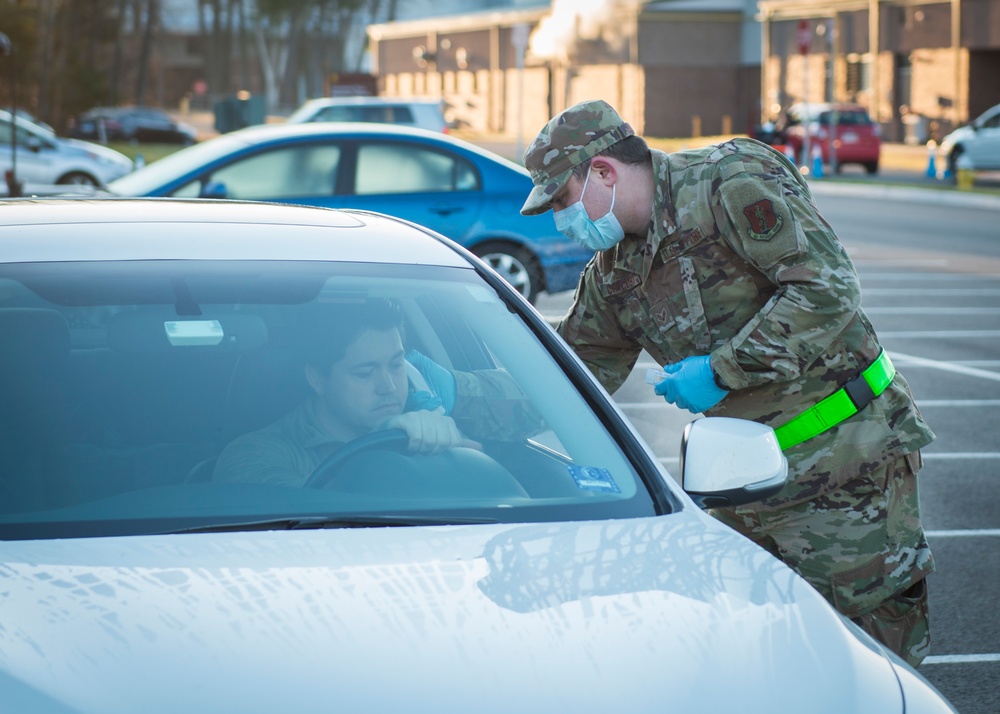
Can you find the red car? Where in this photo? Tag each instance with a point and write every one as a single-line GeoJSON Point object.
{"type": "Point", "coordinates": [857, 139]}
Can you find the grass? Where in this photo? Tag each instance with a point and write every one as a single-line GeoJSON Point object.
{"type": "Point", "coordinates": [149, 152]}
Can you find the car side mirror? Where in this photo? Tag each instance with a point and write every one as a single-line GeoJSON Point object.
{"type": "Point", "coordinates": [34, 144]}
{"type": "Point", "coordinates": [214, 189]}
{"type": "Point", "coordinates": [730, 462]}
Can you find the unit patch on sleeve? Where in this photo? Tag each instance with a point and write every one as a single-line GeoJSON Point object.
{"type": "Point", "coordinates": [764, 222]}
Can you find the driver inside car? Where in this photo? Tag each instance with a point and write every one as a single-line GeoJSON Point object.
{"type": "Point", "coordinates": [361, 380]}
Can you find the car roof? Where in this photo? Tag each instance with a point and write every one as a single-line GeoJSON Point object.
{"type": "Point", "coordinates": [827, 106]}
{"type": "Point", "coordinates": [123, 229]}
{"type": "Point", "coordinates": [283, 130]}
{"type": "Point", "coordinates": [374, 100]}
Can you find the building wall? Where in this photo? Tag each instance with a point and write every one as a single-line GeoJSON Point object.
{"type": "Point", "coordinates": [919, 71]}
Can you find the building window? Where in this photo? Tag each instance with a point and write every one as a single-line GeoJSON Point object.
{"type": "Point", "coordinates": [858, 74]}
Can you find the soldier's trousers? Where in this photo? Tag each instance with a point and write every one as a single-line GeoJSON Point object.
{"type": "Point", "coordinates": [862, 547]}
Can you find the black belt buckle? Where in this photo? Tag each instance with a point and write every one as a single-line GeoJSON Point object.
{"type": "Point", "coordinates": [860, 392]}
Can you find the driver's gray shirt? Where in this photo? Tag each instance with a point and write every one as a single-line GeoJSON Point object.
{"type": "Point", "coordinates": [284, 453]}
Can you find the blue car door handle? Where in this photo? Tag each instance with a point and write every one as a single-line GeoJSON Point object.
{"type": "Point", "coordinates": [445, 209]}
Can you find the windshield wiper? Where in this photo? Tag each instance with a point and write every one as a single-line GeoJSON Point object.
{"type": "Point", "coordinates": [359, 520]}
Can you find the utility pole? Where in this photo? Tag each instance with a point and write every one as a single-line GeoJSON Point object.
{"type": "Point", "coordinates": [7, 50]}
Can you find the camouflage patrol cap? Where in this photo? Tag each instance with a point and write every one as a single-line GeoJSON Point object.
{"type": "Point", "coordinates": [569, 139]}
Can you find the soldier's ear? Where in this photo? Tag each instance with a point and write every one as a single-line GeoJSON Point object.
{"type": "Point", "coordinates": [604, 170]}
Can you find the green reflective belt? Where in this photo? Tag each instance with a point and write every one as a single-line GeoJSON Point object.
{"type": "Point", "coordinates": [842, 404]}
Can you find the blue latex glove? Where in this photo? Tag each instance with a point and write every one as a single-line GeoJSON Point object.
{"type": "Point", "coordinates": [691, 385]}
{"type": "Point", "coordinates": [440, 380]}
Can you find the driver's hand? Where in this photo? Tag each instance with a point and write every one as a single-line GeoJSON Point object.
{"type": "Point", "coordinates": [430, 432]}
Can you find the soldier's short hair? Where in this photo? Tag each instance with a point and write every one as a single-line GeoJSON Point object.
{"type": "Point", "coordinates": [631, 151]}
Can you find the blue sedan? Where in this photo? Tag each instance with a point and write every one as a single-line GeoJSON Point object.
{"type": "Point", "coordinates": [448, 185]}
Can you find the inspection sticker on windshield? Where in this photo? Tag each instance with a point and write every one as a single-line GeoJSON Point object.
{"type": "Point", "coordinates": [591, 478]}
{"type": "Point", "coordinates": [655, 376]}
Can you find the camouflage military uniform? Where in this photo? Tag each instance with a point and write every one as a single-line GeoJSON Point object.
{"type": "Point", "coordinates": [739, 264]}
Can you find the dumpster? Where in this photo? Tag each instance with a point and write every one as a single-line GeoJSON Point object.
{"type": "Point", "coordinates": [239, 111]}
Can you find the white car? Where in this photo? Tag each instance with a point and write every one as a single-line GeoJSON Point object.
{"type": "Point", "coordinates": [422, 113]}
{"type": "Point", "coordinates": [978, 140]}
{"type": "Point", "coordinates": [46, 159]}
{"type": "Point", "coordinates": [551, 566]}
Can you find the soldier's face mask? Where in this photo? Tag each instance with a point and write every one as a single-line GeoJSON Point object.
{"type": "Point", "coordinates": [574, 223]}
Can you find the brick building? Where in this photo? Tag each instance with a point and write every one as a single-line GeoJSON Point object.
{"type": "Point", "coordinates": [691, 67]}
{"type": "Point", "coordinates": [673, 67]}
{"type": "Point", "coordinates": [921, 67]}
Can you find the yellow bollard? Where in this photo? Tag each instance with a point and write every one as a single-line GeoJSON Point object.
{"type": "Point", "coordinates": [966, 172]}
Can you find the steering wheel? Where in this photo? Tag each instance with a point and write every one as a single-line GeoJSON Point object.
{"type": "Point", "coordinates": [387, 439]}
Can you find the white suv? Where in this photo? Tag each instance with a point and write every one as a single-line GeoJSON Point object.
{"type": "Point", "coordinates": [422, 113]}
{"type": "Point", "coordinates": [979, 140]}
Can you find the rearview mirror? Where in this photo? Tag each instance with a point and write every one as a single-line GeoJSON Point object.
{"type": "Point", "coordinates": [730, 462]}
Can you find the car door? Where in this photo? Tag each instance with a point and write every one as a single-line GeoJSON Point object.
{"type": "Point", "coordinates": [984, 149]}
{"type": "Point", "coordinates": [433, 187]}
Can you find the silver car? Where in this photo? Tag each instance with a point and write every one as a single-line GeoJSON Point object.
{"type": "Point", "coordinates": [422, 113]}
{"type": "Point", "coordinates": [46, 159]}
{"type": "Point", "coordinates": [548, 563]}
{"type": "Point", "coordinates": [978, 141]}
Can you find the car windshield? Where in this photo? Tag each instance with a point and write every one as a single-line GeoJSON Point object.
{"type": "Point", "coordinates": [174, 396]}
{"type": "Point", "coordinates": [846, 117]}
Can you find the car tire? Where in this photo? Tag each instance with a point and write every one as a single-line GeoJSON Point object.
{"type": "Point", "coordinates": [871, 167]}
{"type": "Point", "coordinates": [78, 178]}
{"type": "Point", "coordinates": [517, 265]}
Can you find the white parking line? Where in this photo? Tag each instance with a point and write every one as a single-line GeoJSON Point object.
{"type": "Point", "coordinates": [925, 277]}
{"type": "Point", "coordinates": [905, 359]}
{"type": "Point", "coordinates": [934, 292]}
{"type": "Point", "coordinates": [965, 533]}
{"type": "Point", "coordinates": [963, 311]}
{"type": "Point", "coordinates": [939, 334]}
{"type": "Point", "coordinates": [961, 659]}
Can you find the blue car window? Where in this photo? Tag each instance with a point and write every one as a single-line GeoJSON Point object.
{"type": "Point", "coordinates": [286, 172]}
{"type": "Point", "coordinates": [397, 168]}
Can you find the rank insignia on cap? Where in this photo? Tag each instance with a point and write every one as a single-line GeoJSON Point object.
{"type": "Point", "coordinates": [764, 222]}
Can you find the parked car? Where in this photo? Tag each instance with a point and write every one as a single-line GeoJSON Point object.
{"type": "Point", "coordinates": [423, 113]}
{"type": "Point", "coordinates": [979, 141]}
{"type": "Point", "coordinates": [856, 138]}
{"type": "Point", "coordinates": [25, 114]}
{"type": "Point", "coordinates": [44, 158]}
{"type": "Point", "coordinates": [142, 124]}
{"type": "Point", "coordinates": [451, 186]}
{"type": "Point", "coordinates": [556, 567]}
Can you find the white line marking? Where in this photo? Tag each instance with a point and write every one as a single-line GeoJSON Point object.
{"type": "Point", "coordinates": [924, 277]}
{"type": "Point", "coordinates": [961, 659]}
{"type": "Point", "coordinates": [963, 311]}
{"type": "Point", "coordinates": [940, 334]}
{"type": "Point", "coordinates": [958, 362]}
{"type": "Point", "coordinates": [971, 403]}
{"type": "Point", "coordinates": [933, 292]}
{"type": "Point", "coordinates": [965, 533]}
{"type": "Point", "coordinates": [943, 366]}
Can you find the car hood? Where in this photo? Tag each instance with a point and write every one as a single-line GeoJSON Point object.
{"type": "Point", "coordinates": [674, 613]}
